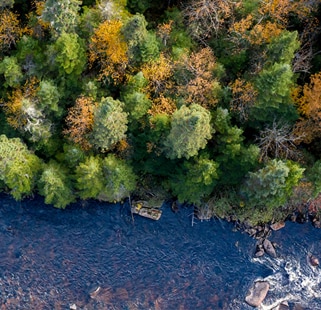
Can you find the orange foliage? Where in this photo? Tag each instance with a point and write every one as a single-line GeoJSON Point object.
{"type": "Point", "coordinates": [244, 95]}
{"type": "Point", "coordinates": [10, 30]}
{"type": "Point", "coordinates": [79, 121]}
{"type": "Point", "coordinates": [16, 108]}
{"type": "Point", "coordinates": [162, 105]}
{"type": "Point", "coordinates": [158, 73]}
{"type": "Point", "coordinates": [108, 48]}
{"type": "Point", "coordinates": [200, 82]}
{"type": "Point", "coordinates": [308, 101]}
{"type": "Point", "coordinates": [164, 31]}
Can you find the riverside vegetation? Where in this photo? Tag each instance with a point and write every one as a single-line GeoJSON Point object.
{"type": "Point", "coordinates": [216, 103]}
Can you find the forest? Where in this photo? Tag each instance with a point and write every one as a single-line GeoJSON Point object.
{"type": "Point", "coordinates": [214, 103]}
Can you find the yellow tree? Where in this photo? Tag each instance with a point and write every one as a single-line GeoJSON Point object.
{"type": "Point", "coordinates": [10, 29]}
{"type": "Point", "coordinates": [308, 101]}
{"type": "Point", "coordinates": [80, 121]}
{"type": "Point", "coordinates": [108, 49]}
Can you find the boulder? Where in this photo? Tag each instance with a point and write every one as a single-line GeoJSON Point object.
{"type": "Point", "coordinates": [313, 260]}
{"type": "Point", "coordinates": [257, 293]}
{"type": "Point", "coordinates": [277, 226]}
{"type": "Point", "coordinates": [269, 248]}
{"type": "Point", "coordinates": [73, 307]}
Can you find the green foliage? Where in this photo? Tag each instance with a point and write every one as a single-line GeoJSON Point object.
{"type": "Point", "coordinates": [194, 180]}
{"type": "Point", "coordinates": [283, 47]}
{"type": "Point", "coordinates": [71, 156]}
{"type": "Point", "coordinates": [274, 93]}
{"type": "Point", "coordinates": [142, 45]}
{"type": "Point", "coordinates": [62, 15]}
{"type": "Point", "coordinates": [313, 175]}
{"type": "Point", "coordinates": [19, 168]}
{"type": "Point", "coordinates": [235, 158]}
{"type": "Point", "coordinates": [11, 70]}
{"type": "Point", "coordinates": [31, 55]}
{"type": "Point", "coordinates": [119, 179]}
{"type": "Point", "coordinates": [89, 177]}
{"type": "Point", "coordinates": [68, 53]}
{"type": "Point", "coordinates": [272, 185]}
{"type": "Point", "coordinates": [110, 124]}
{"type": "Point", "coordinates": [55, 185]}
{"type": "Point", "coordinates": [48, 95]}
{"type": "Point", "coordinates": [136, 102]}
{"type": "Point", "coordinates": [190, 131]}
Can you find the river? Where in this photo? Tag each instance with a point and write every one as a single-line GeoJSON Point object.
{"type": "Point", "coordinates": [52, 259]}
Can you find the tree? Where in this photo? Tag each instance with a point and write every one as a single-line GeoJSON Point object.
{"type": "Point", "coordinates": [61, 15]}
{"type": "Point", "coordinates": [119, 179]}
{"type": "Point", "coordinates": [109, 124]}
{"type": "Point", "coordinates": [10, 30]}
{"type": "Point", "coordinates": [278, 141]}
{"type": "Point", "coordinates": [6, 3]}
{"type": "Point", "coordinates": [206, 17]}
{"type": "Point", "coordinates": [273, 184]}
{"type": "Point", "coordinates": [308, 102]}
{"type": "Point", "coordinates": [273, 86]}
{"type": "Point", "coordinates": [25, 113]}
{"type": "Point", "coordinates": [80, 121]}
{"type": "Point", "coordinates": [195, 76]}
{"type": "Point", "coordinates": [142, 44]}
{"type": "Point", "coordinates": [190, 131]}
{"type": "Point", "coordinates": [89, 177]}
{"type": "Point", "coordinates": [194, 180]}
{"type": "Point", "coordinates": [68, 54]}
{"type": "Point", "coordinates": [108, 48]}
{"type": "Point", "coordinates": [235, 158]}
{"type": "Point", "coordinates": [11, 70]}
{"type": "Point", "coordinates": [19, 167]}
{"type": "Point", "coordinates": [55, 185]}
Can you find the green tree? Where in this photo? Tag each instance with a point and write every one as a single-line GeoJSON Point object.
{"type": "Point", "coordinates": [89, 177]}
{"type": "Point", "coordinates": [68, 54]}
{"type": "Point", "coordinates": [136, 101]}
{"type": "Point", "coordinates": [11, 70]}
{"type": "Point", "coordinates": [119, 179]}
{"type": "Point", "coordinates": [55, 185]}
{"type": "Point", "coordinates": [142, 44]}
{"type": "Point", "coordinates": [235, 158]}
{"type": "Point", "coordinates": [193, 181]}
{"type": "Point", "coordinates": [49, 96]}
{"type": "Point", "coordinates": [190, 131]}
{"type": "Point", "coordinates": [272, 185]}
{"type": "Point", "coordinates": [274, 93]}
{"type": "Point", "coordinates": [110, 124]}
{"type": "Point", "coordinates": [19, 167]}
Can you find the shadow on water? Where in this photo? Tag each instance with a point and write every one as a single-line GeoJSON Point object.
{"type": "Point", "coordinates": [51, 259]}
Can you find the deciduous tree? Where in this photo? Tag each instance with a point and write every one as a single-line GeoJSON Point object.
{"type": "Point", "coordinates": [108, 49]}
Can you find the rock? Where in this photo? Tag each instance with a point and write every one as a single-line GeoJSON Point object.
{"type": "Point", "coordinates": [298, 307]}
{"type": "Point", "coordinates": [259, 251]}
{"type": "Point", "coordinates": [93, 292]}
{"type": "Point", "coordinates": [269, 248]}
{"type": "Point", "coordinates": [282, 306]}
{"type": "Point", "coordinates": [73, 307]}
{"type": "Point", "coordinates": [257, 293]}
{"type": "Point", "coordinates": [313, 260]}
{"type": "Point", "coordinates": [277, 226]}
{"type": "Point", "coordinates": [317, 224]}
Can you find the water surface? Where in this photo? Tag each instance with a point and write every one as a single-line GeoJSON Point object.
{"type": "Point", "coordinates": [51, 258]}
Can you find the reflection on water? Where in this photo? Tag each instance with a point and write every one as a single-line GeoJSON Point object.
{"type": "Point", "coordinates": [51, 259]}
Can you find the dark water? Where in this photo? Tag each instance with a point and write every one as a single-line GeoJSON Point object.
{"type": "Point", "coordinates": [50, 259]}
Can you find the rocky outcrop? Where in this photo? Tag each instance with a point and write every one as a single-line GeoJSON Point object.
{"type": "Point", "coordinates": [257, 293]}
{"type": "Point", "coordinates": [313, 260]}
{"type": "Point", "coordinates": [282, 306]}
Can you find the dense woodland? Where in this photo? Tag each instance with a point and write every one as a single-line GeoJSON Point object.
{"type": "Point", "coordinates": [216, 103]}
